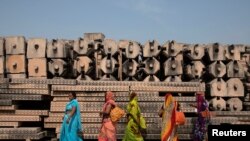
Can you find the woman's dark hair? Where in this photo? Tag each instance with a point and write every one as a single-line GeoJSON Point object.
{"type": "Point", "coordinates": [74, 94]}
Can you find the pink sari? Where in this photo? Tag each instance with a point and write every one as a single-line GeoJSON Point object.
{"type": "Point", "coordinates": [108, 129]}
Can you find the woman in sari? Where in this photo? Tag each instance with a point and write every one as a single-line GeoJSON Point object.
{"type": "Point", "coordinates": [169, 126]}
{"type": "Point", "coordinates": [108, 129]}
{"type": "Point", "coordinates": [132, 131]}
{"type": "Point", "coordinates": [203, 119]}
{"type": "Point", "coordinates": [71, 126]}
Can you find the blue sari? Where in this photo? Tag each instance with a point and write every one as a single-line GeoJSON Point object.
{"type": "Point", "coordinates": [69, 130]}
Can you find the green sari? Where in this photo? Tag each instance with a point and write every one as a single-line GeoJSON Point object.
{"type": "Point", "coordinates": [132, 131]}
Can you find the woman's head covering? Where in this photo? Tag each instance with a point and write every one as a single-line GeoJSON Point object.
{"type": "Point", "coordinates": [167, 95]}
{"type": "Point", "coordinates": [132, 95]}
{"type": "Point", "coordinates": [109, 96]}
{"type": "Point", "coordinates": [200, 96]}
{"type": "Point", "coordinates": [168, 98]}
{"type": "Point", "coordinates": [201, 101]}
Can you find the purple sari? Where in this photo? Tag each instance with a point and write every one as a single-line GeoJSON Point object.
{"type": "Point", "coordinates": [201, 123]}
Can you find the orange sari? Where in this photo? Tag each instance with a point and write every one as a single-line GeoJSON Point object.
{"type": "Point", "coordinates": [108, 128]}
{"type": "Point", "coordinates": [168, 132]}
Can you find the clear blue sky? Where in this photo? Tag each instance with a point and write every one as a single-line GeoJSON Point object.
{"type": "Point", "coordinates": [187, 21]}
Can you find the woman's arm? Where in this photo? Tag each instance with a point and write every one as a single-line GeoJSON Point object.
{"type": "Point", "coordinates": [71, 113]}
{"type": "Point", "coordinates": [107, 110]}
